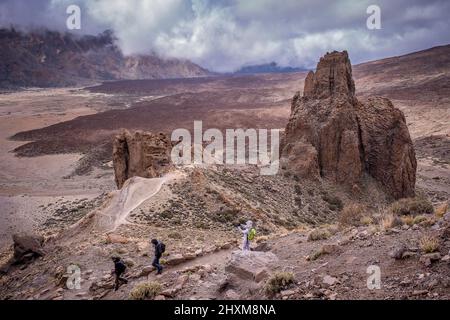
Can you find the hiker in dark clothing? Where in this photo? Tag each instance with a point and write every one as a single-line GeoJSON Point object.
{"type": "Point", "coordinates": [119, 269]}
{"type": "Point", "coordinates": [159, 250]}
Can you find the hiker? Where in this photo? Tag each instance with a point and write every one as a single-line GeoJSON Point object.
{"type": "Point", "coordinates": [159, 250]}
{"type": "Point", "coordinates": [249, 234]}
{"type": "Point", "coordinates": [119, 269]}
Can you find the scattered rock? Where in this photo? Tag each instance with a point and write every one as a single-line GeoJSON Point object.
{"type": "Point", "coordinates": [329, 280]}
{"type": "Point", "coordinates": [429, 258]}
{"type": "Point", "coordinates": [419, 292]}
{"type": "Point", "coordinates": [175, 259]}
{"type": "Point", "coordinates": [146, 271]}
{"type": "Point", "coordinates": [330, 248]}
{"type": "Point", "coordinates": [116, 238]}
{"type": "Point", "coordinates": [398, 251]}
{"type": "Point", "coordinates": [232, 295]}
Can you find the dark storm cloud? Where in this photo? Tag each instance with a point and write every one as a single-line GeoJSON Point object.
{"type": "Point", "coordinates": [223, 35]}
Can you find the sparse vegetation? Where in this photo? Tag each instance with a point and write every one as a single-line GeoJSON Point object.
{"type": "Point", "coordinates": [412, 220]}
{"type": "Point", "coordinates": [333, 229]}
{"type": "Point", "coordinates": [429, 244]}
{"type": "Point", "coordinates": [319, 234]}
{"type": "Point", "coordinates": [334, 203]}
{"type": "Point", "coordinates": [175, 235]}
{"type": "Point", "coordinates": [412, 206]}
{"type": "Point", "coordinates": [352, 214]}
{"type": "Point", "coordinates": [225, 215]}
{"type": "Point", "coordinates": [441, 210]}
{"type": "Point", "coordinates": [146, 290]}
{"type": "Point", "coordinates": [366, 220]}
{"type": "Point", "coordinates": [315, 255]}
{"type": "Point", "coordinates": [277, 282]}
{"type": "Point", "coordinates": [390, 221]}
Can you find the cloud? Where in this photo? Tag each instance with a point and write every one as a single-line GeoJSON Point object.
{"type": "Point", "coordinates": [224, 35]}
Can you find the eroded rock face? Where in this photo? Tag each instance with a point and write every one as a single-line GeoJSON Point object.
{"type": "Point", "coordinates": [141, 154]}
{"type": "Point", "coordinates": [388, 150]}
{"type": "Point", "coordinates": [331, 134]}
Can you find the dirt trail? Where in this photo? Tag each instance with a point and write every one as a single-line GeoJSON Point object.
{"type": "Point", "coordinates": [135, 191]}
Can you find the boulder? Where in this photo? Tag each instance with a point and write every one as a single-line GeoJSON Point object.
{"type": "Point", "coordinates": [27, 248]}
{"type": "Point", "coordinates": [141, 154]}
{"type": "Point", "coordinates": [398, 251]}
{"type": "Point", "coordinates": [330, 134]}
{"type": "Point", "coordinates": [428, 258]}
{"type": "Point", "coordinates": [251, 265]}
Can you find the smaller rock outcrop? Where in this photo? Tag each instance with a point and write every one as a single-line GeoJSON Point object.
{"type": "Point", "coordinates": [142, 154]}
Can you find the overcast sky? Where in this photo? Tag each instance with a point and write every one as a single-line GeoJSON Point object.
{"type": "Point", "coordinates": [224, 35]}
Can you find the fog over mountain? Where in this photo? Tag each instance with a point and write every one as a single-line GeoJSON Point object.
{"type": "Point", "coordinates": [225, 35]}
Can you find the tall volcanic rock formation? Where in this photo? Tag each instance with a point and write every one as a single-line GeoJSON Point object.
{"type": "Point", "coordinates": [142, 154]}
{"type": "Point", "coordinates": [331, 134]}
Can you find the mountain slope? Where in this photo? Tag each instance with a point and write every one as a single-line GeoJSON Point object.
{"type": "Point", "coordinates": [51, 59]}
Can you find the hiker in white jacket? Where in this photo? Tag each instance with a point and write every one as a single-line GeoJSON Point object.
{"type": "Point", "coordinates": [245, 229]}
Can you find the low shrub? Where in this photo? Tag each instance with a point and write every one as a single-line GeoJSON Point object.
{"type": "Point", "coordinates": [145, 290]}
{"type": "Point", "coordinates": [277, 282]}
{"type": "Point", "coordinates": [352, 214]}
{"type": "Point", "coordinates": [412, 206]}
{"type": "Point", "coordinates": [429, 244]}
{"type": "Point", "coordinates": [319, 234]}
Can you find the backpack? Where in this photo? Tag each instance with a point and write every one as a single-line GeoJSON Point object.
{"type": "Point", "coordinates": [162, 247]}
{"type": "Point", "coordinates": [120, 267]}
{"type": "Point", "coordinates": [251, 234]}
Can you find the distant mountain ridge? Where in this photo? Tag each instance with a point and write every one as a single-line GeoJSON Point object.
{"type": "Point", "coordinates": [272, 67]}
{"type": "Point", "coordinates": [47, 58]}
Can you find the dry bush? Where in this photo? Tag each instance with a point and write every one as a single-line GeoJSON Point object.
{"type": "Point", "coordinates": [145, 290]}
{"type": "Point", "coordinates": [333, 229]}
{"type": "Point", "coordinates": [352, 214]}
{"type": "Point", "coordinates": [420, 219]}
{"type": "Point", "coordinates": [389, 221]}
{"type": "Point", "coordinates": [315, 255]}
{"type": "Point", "coordinates": [429, 244]}
{"type": "Point", "coordinates": [319, 234]}
{"type": "Point", "coordinates": [412, 206]}
{"type": "Point", "coordinates": [366, 220]}
{"type": "Point", "coordinates": [408, 220]}
{"type": "Point", "coordinates": [412, 220]}
{"type": "Point", "coordinates": [277, 282]}
{"type": "Point", "coordinates": [441, 210]}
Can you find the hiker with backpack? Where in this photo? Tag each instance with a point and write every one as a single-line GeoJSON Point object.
{"type": "Point", "coordinates": [160, 248]}
{"type": "Point", "coordinates": [119, 269]}
{"type": "Point", "coordinates": [248, 234]}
